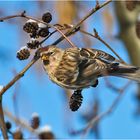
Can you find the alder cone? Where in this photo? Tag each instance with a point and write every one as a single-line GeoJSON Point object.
{"type": "Point", "coordinates": [30, 27]}
{"type": "Point", "coordinates": [33, 44]}
{"type": "Point", "coordinates": [23, 54]}
{"type": "Point", "coordinates": [75, 101]}
{"type": "Point", "coordinates": [47, 17]}
{"type": "Point", "coordinates": [35, 122]}
{"type": "Point", "coordinates": [46, 135]}
{"type": "Point", "coordinates": [43, 32]}
{"type": "Point", "coordinates": [18, 135]}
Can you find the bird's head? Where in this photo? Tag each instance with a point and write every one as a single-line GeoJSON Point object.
{"type": "Point", "coordinates": [49, 53]}
{"type": "Point", "coordinates": [51, 57]}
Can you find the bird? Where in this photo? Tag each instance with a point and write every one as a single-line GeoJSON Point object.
{"type": "Point", "coordinates": [79, 68]}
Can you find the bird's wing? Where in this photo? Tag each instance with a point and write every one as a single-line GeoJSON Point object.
{"type": "Point", "coordinates": [94, 62]}
{"type": "Point", "coordinates": [94, 53]}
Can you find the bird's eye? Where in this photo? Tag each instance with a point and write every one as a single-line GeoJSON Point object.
{"type": "Point", "coordinates": [51, 53]}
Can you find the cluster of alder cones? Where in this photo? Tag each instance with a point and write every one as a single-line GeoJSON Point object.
{"type": "Point", "coordinates": [35, 30]}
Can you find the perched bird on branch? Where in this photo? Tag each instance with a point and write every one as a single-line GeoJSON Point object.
{"type": "Point", "coordinates": [79, 68]}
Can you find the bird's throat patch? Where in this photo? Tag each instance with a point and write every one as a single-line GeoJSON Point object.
{"type": "Point", "coordinates": [45, 62]}
{"type": "Point", "coordinates": [45, 59]}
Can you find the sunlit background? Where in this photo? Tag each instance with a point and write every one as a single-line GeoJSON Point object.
{"type": "Point", "coordinates": [36, 93]}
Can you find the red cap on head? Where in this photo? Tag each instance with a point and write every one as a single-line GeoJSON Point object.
{"type": "Point", "coordinates": [43, 49]}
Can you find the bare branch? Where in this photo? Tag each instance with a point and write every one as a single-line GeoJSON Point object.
{"type": "Point", "coordinates": [82, 20]}
{"type": "Point", "coordinates": [2, 122]}
{"type": "Point", "coordinates": [97, 7]}
{"type": "Point", "coordinates": [13, 16]}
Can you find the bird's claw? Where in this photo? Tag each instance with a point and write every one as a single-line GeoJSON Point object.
{"type": "Point", "coordinates": [96, 83]}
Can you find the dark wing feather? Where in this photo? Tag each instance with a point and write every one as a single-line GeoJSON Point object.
{"type": "Point", "coordinates": [94, 53]}
{"type": "Point", "coordinates": [94, 63]}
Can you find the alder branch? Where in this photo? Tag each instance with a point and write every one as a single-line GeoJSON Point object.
{"type": "Point", "coordinates": [65, 37]}
{"type": "Point", "coordinates": [2, 122]}
{"type": "Point", "coordinates": [97, 7]}
{"type": "Point", "coordinates": [13, 16]}
{"type": "Point", "coordinates": [23, 15]}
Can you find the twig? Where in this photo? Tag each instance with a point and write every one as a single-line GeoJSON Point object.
{"type": "Point", "coordinates": [104, 114]}
{"type": "Point", "coordinates": [100, 39]}
{"type": "Point", "coordinates": [2, 122]}
{"type": "Point", "coordinates": [10, 17]}
{"type": "Point", "coordinates": [15, 95]}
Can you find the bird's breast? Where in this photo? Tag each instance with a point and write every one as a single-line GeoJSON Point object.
{"type": "Point", "coordinates": [67, 69]}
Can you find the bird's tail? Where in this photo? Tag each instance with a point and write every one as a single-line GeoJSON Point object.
{"type": "Point", "coordinates": [126, 71]}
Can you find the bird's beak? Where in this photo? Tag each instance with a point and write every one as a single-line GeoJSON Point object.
{"type": "Point", "coordinates": [44, 57]}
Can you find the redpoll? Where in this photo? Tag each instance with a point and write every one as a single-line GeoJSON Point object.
{"type": "Point", "coordinates": [78, 68]}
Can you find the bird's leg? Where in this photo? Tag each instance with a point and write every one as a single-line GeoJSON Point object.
{"type": "Point", "coordinates": [95, 83]}
{"type": "Point", "coordinates": [76, 100]}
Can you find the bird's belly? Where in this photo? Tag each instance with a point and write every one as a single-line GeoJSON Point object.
{"type": "Point", "coordinates": [68, 83]}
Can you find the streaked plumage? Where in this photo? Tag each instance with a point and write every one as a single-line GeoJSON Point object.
{"type": "Point", "coordinates": [78, 68]}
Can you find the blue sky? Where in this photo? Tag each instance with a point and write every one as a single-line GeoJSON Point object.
{"type": "Point", "coordinates": [37, 93]}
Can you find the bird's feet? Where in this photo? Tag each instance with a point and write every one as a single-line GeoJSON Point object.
{"type": "Point", "coordinates": [96, 83]}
